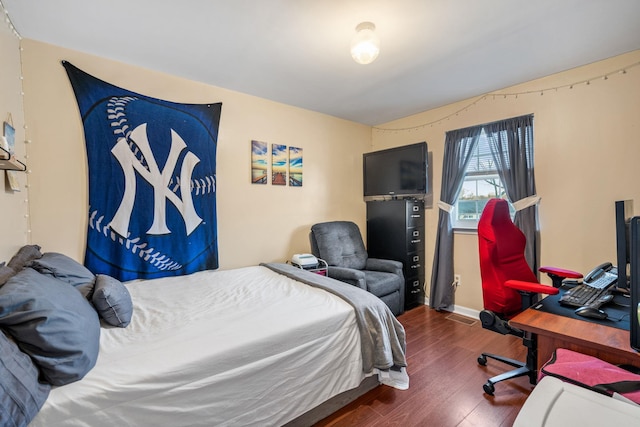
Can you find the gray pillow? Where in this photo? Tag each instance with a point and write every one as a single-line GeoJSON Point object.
{"type": "Point", "coordinates": [5, 274]}
{"type": "Point", "coordinates": [112, 301]}
{"type": "Point", "coordinates": [67, 269]}
{"type": "Point", "coordinates": [21, 395]}
{"type": "Point", "coordinates": [24, 255]}
{"type": "Point", "coordinates": [52, 323]}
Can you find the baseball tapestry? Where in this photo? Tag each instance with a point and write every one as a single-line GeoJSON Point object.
{"type": "Point", "coordinates": [152, 181]}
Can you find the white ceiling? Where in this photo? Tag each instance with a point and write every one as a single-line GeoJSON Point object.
{"type": "Point", "coordinates": [433, 52]}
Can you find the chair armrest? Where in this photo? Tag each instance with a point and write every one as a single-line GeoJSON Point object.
{"type": "Point", "coordinates": [387, 265]}
{"type": "Point", "coordinates": [531, 287]}
{"type": "Point", "coordinates": [348, 275]}
{"type": "Point", "coordinates": [557, 275]}
{"type": "Point", "coordinates": [567, 274]}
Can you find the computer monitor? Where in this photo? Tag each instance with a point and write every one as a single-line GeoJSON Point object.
{"type": "Point", "coordinates": [624, 213]}
{"type": "Point", "coordinates": [634, 288]}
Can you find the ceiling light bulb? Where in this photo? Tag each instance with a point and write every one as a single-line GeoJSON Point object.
{"type": "Point", "coordinates": [365, 45]}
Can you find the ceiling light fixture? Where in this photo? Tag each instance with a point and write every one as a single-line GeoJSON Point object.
{"type": "Point", "coordinates": [365, 45]}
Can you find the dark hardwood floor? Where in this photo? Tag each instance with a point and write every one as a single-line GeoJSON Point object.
{"type": "Point", "coordinates": [446, 380]}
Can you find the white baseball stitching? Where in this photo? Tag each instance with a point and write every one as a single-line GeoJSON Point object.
{"type": "Point", "coordinates": [162, 262]}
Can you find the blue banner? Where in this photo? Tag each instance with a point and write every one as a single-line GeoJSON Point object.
{"type": "Point", "coordinates": [152, 181]}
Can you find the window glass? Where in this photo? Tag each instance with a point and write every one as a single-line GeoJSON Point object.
{"type": "Point", "coordinates": [480, 184]}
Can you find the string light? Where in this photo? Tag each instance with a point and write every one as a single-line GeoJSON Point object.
{"type": "Point", "coordinates": [27, 185]}
{"type": "Point", "coordinates": [493, 95]}
{"type": "Point", "coordinates": [7, 19]}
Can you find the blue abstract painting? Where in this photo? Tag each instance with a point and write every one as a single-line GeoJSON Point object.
{"type": "Point", "coordinates": [152, 181]}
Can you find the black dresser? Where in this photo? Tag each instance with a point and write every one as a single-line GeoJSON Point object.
{"type": "Point", "coordinates": [395, 230]}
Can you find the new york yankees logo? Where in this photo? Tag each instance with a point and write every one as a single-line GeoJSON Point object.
{"type": "Point", "coordinates": [158, 179]}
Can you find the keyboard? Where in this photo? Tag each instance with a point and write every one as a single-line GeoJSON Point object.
{"type": "Point", "coordinates": [582, 295]}
{"type": "Point", "coordinates": [589, 293]}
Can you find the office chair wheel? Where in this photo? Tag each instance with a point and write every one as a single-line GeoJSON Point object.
{"type": "Point", "coordinates": [482, 360]}
{"type": "Point", "coordinates": [489, 388]}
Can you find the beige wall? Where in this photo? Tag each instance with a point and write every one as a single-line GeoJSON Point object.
{"type": "Point", "coordinates": [13, 205]}
{"type": "Point", "coordinates": [587, 156]}
{"type": "Point", "coordinates": [256, 223]}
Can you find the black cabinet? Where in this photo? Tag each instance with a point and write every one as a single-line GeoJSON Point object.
{"type": "Point", "coordinates": [395, 230]}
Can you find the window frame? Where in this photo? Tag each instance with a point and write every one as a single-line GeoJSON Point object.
{"type": "Point", "coordinates": [475, 172]}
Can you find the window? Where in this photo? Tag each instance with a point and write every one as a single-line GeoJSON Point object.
{"type": "Point", "coordinates": [481, 183]}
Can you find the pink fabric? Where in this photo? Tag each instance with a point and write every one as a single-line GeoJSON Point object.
{"type": "Point", "coordinates": [587, 371]}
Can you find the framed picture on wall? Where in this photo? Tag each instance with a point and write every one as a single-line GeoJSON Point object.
{"type": "Point", "coordinates": [278, 164]}
{"type": "Point", "coordinates": [10, 136]}
{"type": "Point", "coordinates": [259, 162]}
{"type": "Point", "coordinates": [295, 167]}
{"type": "Point", "coordinates": [9, 144]}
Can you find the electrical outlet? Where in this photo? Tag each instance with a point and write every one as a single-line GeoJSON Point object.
{"type": "Point", "coordinates": [457, 279]}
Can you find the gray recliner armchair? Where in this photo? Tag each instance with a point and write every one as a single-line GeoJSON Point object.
{"type": "Point", "coordinates": [340, 244]}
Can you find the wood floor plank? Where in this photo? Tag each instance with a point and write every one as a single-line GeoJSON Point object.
{"type": "Point", "coordinates": [445, 379]}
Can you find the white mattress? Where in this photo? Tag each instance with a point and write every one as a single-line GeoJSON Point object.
{"type": "Point", "coordinates": [239, 347]}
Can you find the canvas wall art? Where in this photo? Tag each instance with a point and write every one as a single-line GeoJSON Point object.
{"type": "Point", "coordinates": [278, 164]}
{"type": "Point", "coordinates": [259, 162]}
{"type": "Point", "coordinates": [295, 167]}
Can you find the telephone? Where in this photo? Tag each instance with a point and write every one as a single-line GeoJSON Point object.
{"type": "Point", "coordinates": [304, 261]}
{"type": "Point", "coordinates": [602, 276]}
{"type": "Point", "coordinates": [593, 292]}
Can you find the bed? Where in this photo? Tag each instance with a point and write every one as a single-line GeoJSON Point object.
{"type": "Point", "coordinates": [260, 345]}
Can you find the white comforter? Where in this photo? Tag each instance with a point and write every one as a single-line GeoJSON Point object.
{"type": "Point", "coordinates": [238, 347]}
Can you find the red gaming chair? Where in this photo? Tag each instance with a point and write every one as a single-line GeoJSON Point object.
{"type": "Point", "coordinates": [509, 286]}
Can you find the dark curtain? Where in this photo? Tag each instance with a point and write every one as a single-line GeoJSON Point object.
{"type": "Point", "coordinates": [459, 146]}
{"type": "Point", "coordinates": [511, 144]}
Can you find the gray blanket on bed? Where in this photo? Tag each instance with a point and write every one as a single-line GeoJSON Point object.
{"type": "Point", "coordinates": [382, 335]}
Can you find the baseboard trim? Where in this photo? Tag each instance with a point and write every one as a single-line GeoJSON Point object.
{"type": "Point", "coordinates": [465, 311]}
{"type": "Point", "coordinates": [461, 310]}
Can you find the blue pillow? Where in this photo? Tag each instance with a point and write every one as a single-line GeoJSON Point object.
{"type": "Point", "coordinates": [66, 269]}
{"type": "Point", "coordinates": [112, 301]}
{"type": "Point", "coordinates": [53, 323]}
{"type": "Point", "coordinates": [21, 395]}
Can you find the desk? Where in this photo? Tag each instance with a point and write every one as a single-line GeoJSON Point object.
{"type": "Point", "coordinates": [554, 331]}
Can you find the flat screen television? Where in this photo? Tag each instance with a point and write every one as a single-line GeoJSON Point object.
{"type": "Point", "coordinates": [634, 282]}
{"type": "Point", "coordinates": [398, 171]}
